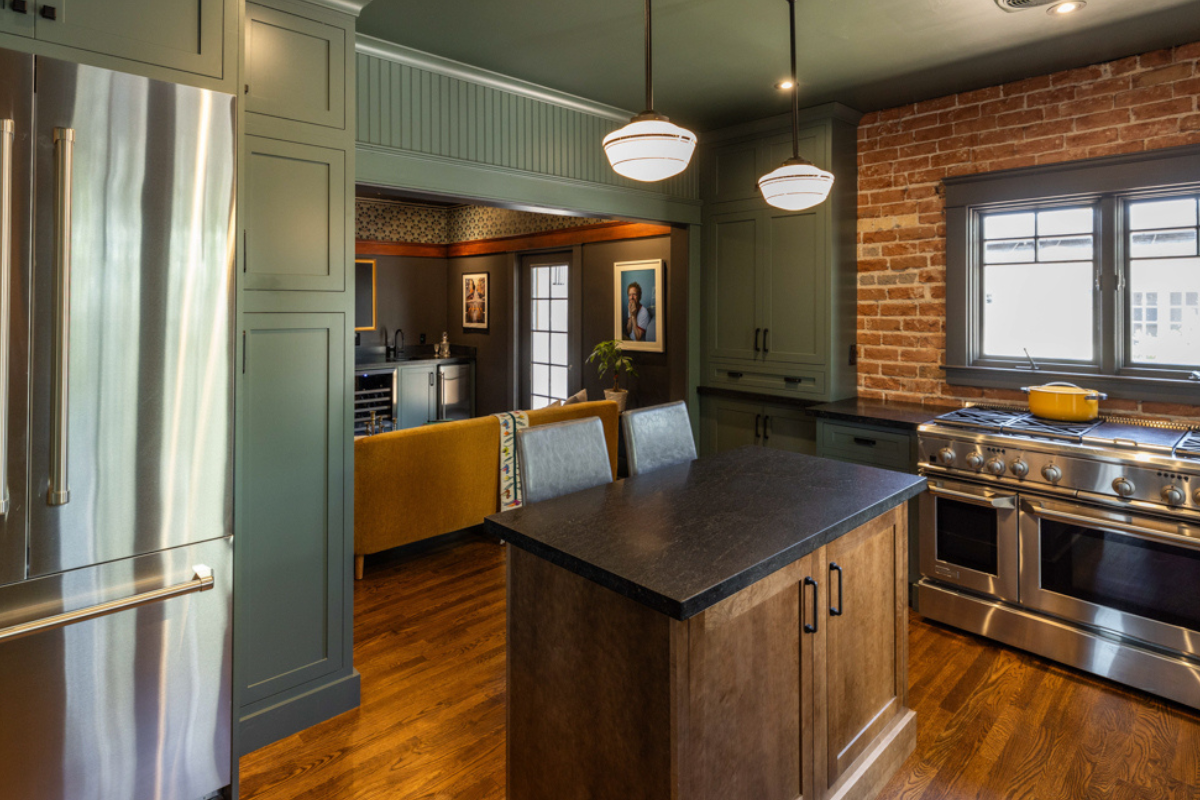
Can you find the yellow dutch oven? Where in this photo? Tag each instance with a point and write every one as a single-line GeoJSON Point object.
{"type": "Point", "coordinates": [1065, 402]}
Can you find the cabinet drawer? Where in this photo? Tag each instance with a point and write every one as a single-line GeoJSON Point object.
{"type": "Point", "coordinates": [295, 67]}
{"type": "Point", "coordinates": [800, 383]}
{"type": "Point", "coordinates": [864, 445]}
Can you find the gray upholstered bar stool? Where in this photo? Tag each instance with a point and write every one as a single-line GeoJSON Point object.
{"type": "Point", "coordinates": [561, 458]}
{"type": "Point", "coordinates": [657, 437]}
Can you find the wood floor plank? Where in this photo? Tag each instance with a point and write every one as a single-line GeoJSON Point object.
{"type": "Point", "coordinates": [993, 723]}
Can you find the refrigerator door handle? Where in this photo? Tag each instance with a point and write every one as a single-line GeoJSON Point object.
{"type": "Point", "coordinates": [59, 492]}
{"type": "Point", "coordinates": [8, 130]}
{"type": "Point", "coordinates": [202, 581]}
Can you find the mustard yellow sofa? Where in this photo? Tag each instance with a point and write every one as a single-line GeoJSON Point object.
{"type": "Point", "coordinates": [422, 482]}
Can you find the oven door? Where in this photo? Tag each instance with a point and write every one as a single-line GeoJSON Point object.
{"type": "Point", "coordinates": [969, 537]}
{"type": "Point", "coordinates": [1133, 575]}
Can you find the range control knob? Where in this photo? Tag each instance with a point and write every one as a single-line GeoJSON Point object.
{"type": "Point", "coordinates": [1019, 468]}
{"type": "Point", "coordinates": [975, 460]}
{"type": "Point", "coordinates": [994, 466]}
{"type": "Point", "coordinates": [1123, 487]}
{"type": "Point", "coordinates": [1173, 495]}
{"type": "Point", "coordinates": [946, 455]}
{"type": "Point", "coordinates": [1052, 473]}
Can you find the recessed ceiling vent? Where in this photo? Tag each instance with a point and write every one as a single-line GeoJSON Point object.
{"type": "Point", "coordinates": [1012, 6]}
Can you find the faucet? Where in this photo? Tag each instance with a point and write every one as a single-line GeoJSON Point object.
{"type": "Point", "coordinates": [386, 348]}
{"type": "Point", "coordinates": [398, 342]}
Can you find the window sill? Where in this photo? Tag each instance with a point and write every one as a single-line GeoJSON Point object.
{"type": "Point", "coordinates": [1117, 387]}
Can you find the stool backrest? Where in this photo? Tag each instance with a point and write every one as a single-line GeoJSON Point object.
{"type": "Point", "coordinates": [657, 437]}
{"type": "Point", "coordinates": [562, 457]}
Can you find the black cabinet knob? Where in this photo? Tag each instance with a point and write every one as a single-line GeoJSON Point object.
{"type": "Point", "coordinates": [20, 6]}
{"type": "Point", "coordinates": [50, 13]}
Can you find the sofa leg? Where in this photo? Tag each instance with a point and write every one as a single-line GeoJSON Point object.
{"type": "Point", "coordinates": [358, 567]}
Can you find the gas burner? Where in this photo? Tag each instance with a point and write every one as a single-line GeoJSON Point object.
{"type": "Point", "coordinates": [1189, 447]}
{"type": "Point", "coordinates": [1039, 428]}
{"type": "Point", "coordinates": [980, 418]}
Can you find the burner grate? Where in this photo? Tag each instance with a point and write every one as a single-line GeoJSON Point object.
{"type": "Point", "coordinates": [976, 417]}
{"type": "Point", "coordinates": [1189, 447]}
{"type": "Point", "coordinates": [1049, 429]}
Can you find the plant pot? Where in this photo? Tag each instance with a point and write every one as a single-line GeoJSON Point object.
{"type": "Point", "coordinates": [619, 396]}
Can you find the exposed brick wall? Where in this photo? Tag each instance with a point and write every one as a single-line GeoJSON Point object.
{"type": "Point", "coordinates": [1139, 103]}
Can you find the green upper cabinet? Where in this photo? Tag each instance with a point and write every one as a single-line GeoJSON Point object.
{"type": "Point", "coordinates": [184, 35]}
{"type": "Point", "coordinates": [295, 67]}
{"type": "Point", "coordinates": [294, 216]}
{"type": "Point", "coordinates": [778, 311]}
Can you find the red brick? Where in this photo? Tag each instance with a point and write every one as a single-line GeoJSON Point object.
{"type": "Point", "coordinates": [1051, 97]}
{"type": "Point", "coordinates": [1109, 86]}
{"type": "Point", "coordinates": [1175, 72]}
{"type": "Point", "coordinates": [1175, 140]}
{"type": "Point", "coordinates": [1188, 88]}
{"type": "Point", "coordinates": [1167, 108]}
{"type": "Point", "coordinates": [918, 149]}
{"type": "Point", "coordinates": [906, 293]}
{"type": "Point", "coordinates": [979, 95]}
{"type": "Point", "coordinates": [1187, 52]}
{"type": "Point", "coordinates": [937, 104]}
{"type": "Point", "coordinates": [1104, 119]}
{"type": "Point", "coordinates": [959, 113]}
{"type": "Point", "coordinates": [1051, 128]}
{"type": "Point", "coordinates": [1118, 148]}
{"type": "Point", "coordinates": [875, 237]}
{"type": "Point", "coordinates": [1147, 94]}
{"type": "Point", "coordinates": [873, 295]}
{"type": "Point", "coordinates": [1123, 66]}
{"type": "Point", "coordinates": [1156, 58]}
{"type": "Point", "coordinates": [899, 249]}
{"type": "Point", "coordinates": [975, 125]}
{"type": "Point", "coordinates": [1190, 123]}
{"type": "Point", "coordinates": [1040, 145]}
{"type": "Point", "coordinates": [1089, 106]}
{"type": "Point", "coordinates": [1018, 118]}
{"type": "Point", "coordinates": [1170, 409]}
{"type": "Point", "coordinates": [1148, 130]}
{"type": "Point", "coordinates": [1004, 105]}
{"type": "Point", "coordinates": [880, 353]}
{"type": "Point", "coordinates": [1075, 76]}
{"type": "Point", "coordinates": [872, 264]}
{"type": "Point", "coordinates": [1026, 86]}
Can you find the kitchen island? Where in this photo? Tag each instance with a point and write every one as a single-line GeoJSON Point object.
{"type": "Point", "coordinates": [730, 628]}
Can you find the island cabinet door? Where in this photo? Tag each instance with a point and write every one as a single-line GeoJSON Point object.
{"type": "Point", "coordinates": [746, 728]}
{"type": "Point", "coordinates": [865, 729]}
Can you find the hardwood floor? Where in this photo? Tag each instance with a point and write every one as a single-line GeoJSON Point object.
{"type": "Point", "coordinates": [429, 641]}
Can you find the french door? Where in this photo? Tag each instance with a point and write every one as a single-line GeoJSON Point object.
{"type": "Point", "coordinates": [550, 364]}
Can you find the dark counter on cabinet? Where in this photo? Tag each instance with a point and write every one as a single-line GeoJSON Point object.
{"type": "Point", "coordinates": [904, 416]}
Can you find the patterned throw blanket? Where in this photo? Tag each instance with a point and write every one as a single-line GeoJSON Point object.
{"type": "Point", "coordinates": [510, 478]}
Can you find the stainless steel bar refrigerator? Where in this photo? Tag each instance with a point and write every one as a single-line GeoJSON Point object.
{"type": "Point", "coordinates": [116, 434]}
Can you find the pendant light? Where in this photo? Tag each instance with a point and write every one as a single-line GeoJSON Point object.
{"type": "Point", "coordinates": [797, 184]}
{"type": "Point", "coordinates": [650, 147]}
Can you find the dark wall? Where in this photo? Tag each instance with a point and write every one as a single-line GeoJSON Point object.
{"type": "Point", "coordinates": [411, 294]}
{"type": "Point", "coordinates": [494, 377]}
{"type": "Point", "coordinates": [662, 377]}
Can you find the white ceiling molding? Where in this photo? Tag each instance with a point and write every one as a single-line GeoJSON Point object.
{"type": "Point", "coordinates": [351, 7]}
{"type": "Point", "coordinates": [369, 45]}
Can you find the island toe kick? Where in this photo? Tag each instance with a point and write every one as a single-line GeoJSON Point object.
{"type": "Point", "coordinates": [794, 687]}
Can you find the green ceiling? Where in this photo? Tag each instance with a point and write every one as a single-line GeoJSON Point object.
{"type": "Point", "coordinates": [716, 60]}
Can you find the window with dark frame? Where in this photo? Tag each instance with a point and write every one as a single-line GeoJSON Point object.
{"type": "Point", "coordinates": [1086, 271]}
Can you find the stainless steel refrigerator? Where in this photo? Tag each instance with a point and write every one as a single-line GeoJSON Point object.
{"type": "Point", "coordinates": [116, 434]}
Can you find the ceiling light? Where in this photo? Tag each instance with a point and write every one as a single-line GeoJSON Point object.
{"type": "Point", "coordinates": [1066, 8]}
{"type": "Point", "coordinates": [784, 85]}
{"type": "Point", "coordinates": [798, 183]}
{"type": "Point", "coordinates": [650, 147]}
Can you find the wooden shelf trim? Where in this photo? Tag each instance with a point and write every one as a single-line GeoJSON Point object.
{"type": "Point", "coordinates": [567, 237]}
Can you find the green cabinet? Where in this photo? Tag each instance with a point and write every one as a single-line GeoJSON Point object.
{"type": "Point", "coordinates": [418, 396]}
{"type": "Point", "coordinates": [184, 35]}
{"type": "Point", "coordinates": [727, 423]}
{"type": "Point", "coordinates": [294, 219]}
{"type": "Point", "coordinates": [291, 537]}
{"type": "Point", "coordinates": [16, 23]}
{"type": "Point", "coordinates": [779, 298]}
{"type": "Point", "coordinates": [295, 67]}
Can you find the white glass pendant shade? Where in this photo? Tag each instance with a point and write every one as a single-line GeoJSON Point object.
{"type": "Point", "coordinates": [796, 185]}
{"type": "Point", "coordinates": [650, 149]}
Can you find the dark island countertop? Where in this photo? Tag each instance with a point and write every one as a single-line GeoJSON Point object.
{"type": "Point", "coordinates": [905, 416]}
{"type": "Point", "coordinates": [681, 539]}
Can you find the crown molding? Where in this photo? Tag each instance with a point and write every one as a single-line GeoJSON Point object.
{"type": "Point", "coordinates": [351, 7]}
{"type": "Point", "coordinates": [419, 59]}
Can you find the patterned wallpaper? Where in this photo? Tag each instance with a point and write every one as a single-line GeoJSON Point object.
{"type": "Point", "coordinates": [413, 223]}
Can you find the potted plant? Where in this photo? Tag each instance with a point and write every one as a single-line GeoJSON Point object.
{"type": "Point", "coordinates": [609, 357]}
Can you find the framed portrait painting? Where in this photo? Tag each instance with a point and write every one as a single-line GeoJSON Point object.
{"type": "Point", "coordinates": [640, 312]}
{"type": "Point", "coordinates": [475, 300]}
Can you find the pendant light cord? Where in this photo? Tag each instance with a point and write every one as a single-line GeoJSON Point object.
{"type": "Point", "coordinates": [650, 63]}
{"type": "Point", "coordinates": [795, 81]}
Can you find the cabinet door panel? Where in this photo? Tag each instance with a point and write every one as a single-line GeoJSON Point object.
{"type": "Point", "coordinates": [418, 396]}
{"type": "Point", "coordinates": [789, 429]}
{"type": "Point", "coordinates": [795, 289]}
{"type": "Point", "coordinates": [864, 695]}
{"type": "Point", "coordinates": [178, 34]}
{"type": "Point", "coordinates": [295, 202]}
{"type": "Point", "coordinates": [295, 67]}
{"type": "Point", "coordinates": [12, 22]}
{"type": "Point", "coordinates": [736, 249]}
{"type": "Point", "coordinates": [726, 424]}
{"type": "Point", "coordinates": [291, 537]}
{"type": "Point", "coordinates": [735, 173]}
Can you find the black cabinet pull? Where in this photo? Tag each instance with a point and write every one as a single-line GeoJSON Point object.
{"type": "Point", "coordinates": [757, 420]}
{"type": "Point", "coordinates": [50, 13]}
{"type": "Point", "coordinates": [766, 429]}
{"type": "Point", "coordinates": [20, 6]}
{"type": "Point", "coordinates": [734, 374]}
{"type": "Point", "coordinates": [757, 333]}
{"type": "Point", "coordinates": [864, 441]}
{"type": "Point", "coordinates": [812, 628]}
{"type": "Point", "coordinates": [836, 611]}
{"type": "Point", "coordinates": [792, 379]}
{"type": "Point", "coordinates": [766, 333]}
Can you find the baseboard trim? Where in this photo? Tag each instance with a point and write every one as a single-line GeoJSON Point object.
{"type": "Point", "coordinates": [294, 714]}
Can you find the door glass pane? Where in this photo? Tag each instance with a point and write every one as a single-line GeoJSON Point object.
{"type": "Point", "coordinates": [541, 347]}
{"type": "Point", "coordinates": [1164, 273]}
{"type": "Point", "coordinates": [548, 333]}
{"type": "Point", "coordinates": [967, 536]}
{"type": "Point", "coordinates": [1152, 580]}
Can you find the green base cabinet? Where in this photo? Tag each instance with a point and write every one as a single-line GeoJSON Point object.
{"type": "Point", "coordinates": [727, 423]}
{"type": "Point", "coordinates": [418, 396]}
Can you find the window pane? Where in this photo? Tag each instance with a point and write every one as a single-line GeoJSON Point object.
{"type": "Point", "coordinates": [1008, 226]}
{"type": "Point", "coordinates": [541, 379]}
{"type": "Point", "coordinates": [558, 382]}
{"type": "Point", "coordinates": [1156, 244]}
{"type": "Point", "coordinates": [558, 281]}
{"type": "Point", "coordinates": [541, 347]}
{"type": "Point", "coordinates": [541, 286]}
{"type": "Point", "coordinates": [1168, 280]}
{"type": "Point", "coordinates": [558, 315]}
{"type": "Point", "coordinates": [1008, 251]}
{"type": "Point", "coordinates": [541, 315]}
{"type": "Point", "coordinates": [1077, 248]}
{"type": "Point", "coordinates": [539, 402]}
{"type": "Point", "coordinates": [1047, 309]}
{"type": "Point", "coordinates": [1065, 220]}
{"type": "Point", "coordinates": [558, 348]}
{"type": "Point", "coordinates": [1146, 214]}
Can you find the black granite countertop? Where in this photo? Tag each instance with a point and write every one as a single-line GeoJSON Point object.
{"type": "Point", "coordinates": [682, 539]}
{"type": "Point", "coordinates": [906, 416]}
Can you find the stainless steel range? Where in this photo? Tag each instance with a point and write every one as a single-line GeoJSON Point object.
{"type": "Point", "coordinates": [1076, 541]}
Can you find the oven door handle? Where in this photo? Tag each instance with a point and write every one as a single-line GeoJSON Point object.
{"type": "Point", "coordinates": [990, 499]}
{"type": "Point", "coordinates": [1110, 525]}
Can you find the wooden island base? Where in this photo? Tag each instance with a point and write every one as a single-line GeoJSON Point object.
{"type": "Point", "coordinates": [770, 694]}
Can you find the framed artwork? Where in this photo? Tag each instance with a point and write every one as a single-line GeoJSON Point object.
{"type": "Point", "coordinates": [475, 300]}
{"type": "Point", "coordinates": [364, 294]}
{"type": "Point", "coordinates": [640, 311]}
